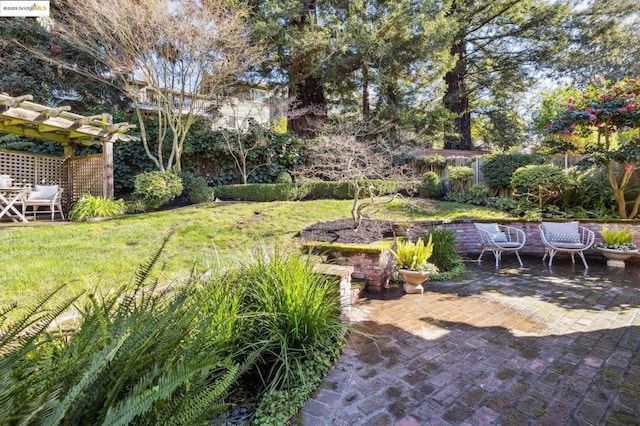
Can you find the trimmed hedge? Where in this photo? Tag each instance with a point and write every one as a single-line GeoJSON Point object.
{"type": "Point", "coordinates": [257, 192]}
{"type": "Point", "coordinates": [311, 190]}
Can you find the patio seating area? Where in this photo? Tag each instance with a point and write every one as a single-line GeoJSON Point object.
{"type": "Point", "coordinates": [513, 346]}
{"type": "Point", "coordinates": [16, 200]}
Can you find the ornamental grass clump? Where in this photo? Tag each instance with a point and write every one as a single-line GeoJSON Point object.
{"type": "Point", "coordinates": [294, 316]}
{"type": "Point", "coordinates": [414, 256]}
{"type": "Point", "coordinates": [445, 255]}
{"type": "Point", "coordinates": [616, 238]}
{"type": "Point", "coordinates": [89, 206]}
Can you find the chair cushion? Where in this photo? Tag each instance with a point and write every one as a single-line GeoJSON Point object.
{"type": "Point", "coordinates": [564, 228]}
{"type": "Point", "coordinates": [43, 192]}
{"type": "Point", "coordinates": [499, 237]}
{"type": "Point", "coordinates": [576, 246]}
{"type": "Point", "coordinates": [564, 237]}
{"type": "Point", "coordinates": [508, 244]}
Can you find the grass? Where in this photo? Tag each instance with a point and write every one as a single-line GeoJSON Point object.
{"type": "Point", "coordinates": [102, 255]}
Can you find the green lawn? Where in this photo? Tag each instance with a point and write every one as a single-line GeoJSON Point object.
{"type": "Point", "coordinates": [101, 255]}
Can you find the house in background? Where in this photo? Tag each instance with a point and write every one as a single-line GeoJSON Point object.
{"type": "Point", "coordinates": [234, 111]}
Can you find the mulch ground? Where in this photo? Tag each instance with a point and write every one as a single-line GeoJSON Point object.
{"type": "Point", "coordinates": [342, 231]}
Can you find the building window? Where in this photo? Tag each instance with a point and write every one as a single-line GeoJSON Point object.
{"type": "Point", "coordinates": [231, 122]}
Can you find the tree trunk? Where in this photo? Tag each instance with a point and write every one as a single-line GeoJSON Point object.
{"type": "Point", "coordinates": [308, 107]}
{"type": "Point", "coordinates": [366, 108]}
{"type": "Point", "coordinates": [456, 100]}
{"type": "Point", "coordinates": [307, 103]}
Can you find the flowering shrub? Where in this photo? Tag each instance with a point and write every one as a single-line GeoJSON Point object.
{"type": "Point", "coordinates": [603, 123]}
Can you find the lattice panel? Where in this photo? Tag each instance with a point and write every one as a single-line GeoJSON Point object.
{"type": "Point", "coordinates": [50, 171]}
{"type": "Point", "coordinates": [20, 166]}
{"type": "Point", "coordinates": [85, 174]}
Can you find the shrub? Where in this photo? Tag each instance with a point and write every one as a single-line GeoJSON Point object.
{"type": "Point", "coordinates": [308, 190]}
{"type": "Point", "coordinates": [460, 177]}
{"type": "Point", "coordinates": [430, 185]}
{"type": "Point", "coordinates": [504, 204]}
{"type": "Point", "coordinates": [432, 160]}
{"type": "Point", "coordinates": [157, 188]}
{"type": "Point", "coordinates": [89, 206]}
{"type": "Point", "coordinates": [284, 177]}
{"type": "Point", "coordinates": [498, 168]}
{"type": "Point", "coordinates": [317, 189]}
{"type": "Point", "coordinates": [140, 355]}
{"type": "Point", "coordinates": [540, 184]}
{"type": "Point", "coordinates": [617, 238]}
{"type": "Point", "coordinates": [278, 406]}
{"type": "Point", "coordinates": [196, 188]}
{"type": "Point", "coordinates": [129, 160]}
{"type": "Point", "coordinates": [591, 196]}
{"type": "Point", "coordinates": [258, 192]}
{"type": "Point", "coordinates": [413, 256]}
{"type": "Point", "coordinates": [479, 194]}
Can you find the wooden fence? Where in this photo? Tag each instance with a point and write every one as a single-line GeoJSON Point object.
{"type": "Point", "coordinates": [564, 161]}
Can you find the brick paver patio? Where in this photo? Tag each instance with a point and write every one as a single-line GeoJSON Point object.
{"type": "Point", "coordinates": [518, 346]}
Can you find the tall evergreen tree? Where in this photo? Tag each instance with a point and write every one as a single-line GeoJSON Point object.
{"type": "Point", "coordinates": [498, 46]}
{"type": "Point", "coordinates": [604, 41]}
{"type": "Point", "coordinates": [364, 55]}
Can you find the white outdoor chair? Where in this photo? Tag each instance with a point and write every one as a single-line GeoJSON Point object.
{"type": "Point", "coordinates": [44, 196]}
{"type": "Point", "coordinates": [568, 237]}
{"type": "Point", "coordinates": [499, 239]}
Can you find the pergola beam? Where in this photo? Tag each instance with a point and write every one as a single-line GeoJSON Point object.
{"type": "Point", "coordinates": [12, 102]}
{"type": "Point", "coordinates": [21, 116]}
{"type": "Point", "coordinates": [30, 132]}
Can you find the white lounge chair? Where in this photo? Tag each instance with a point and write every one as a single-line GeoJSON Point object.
{"type": "Point", "coordinates": [499, 239]}
{"type": "Point", "coordinates": [44, 196]}
{"type": "Point", "coordinates": [568, 237]}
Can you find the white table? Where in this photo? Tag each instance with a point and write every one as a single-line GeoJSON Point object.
{"type": "Point", "coordinates": [9, 197]}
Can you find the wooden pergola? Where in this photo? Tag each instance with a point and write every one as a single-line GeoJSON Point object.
{"type": "Point", "coordinates": [20, 116]}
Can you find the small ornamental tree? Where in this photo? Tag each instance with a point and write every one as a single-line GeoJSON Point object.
{"type": "Point", "coordinates": [603, 123]}
{"type": "Point", "coordinates": [540, 183]}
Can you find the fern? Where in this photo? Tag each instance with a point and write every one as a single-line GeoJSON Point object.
{"type": "Point", "coordinates": [5, 311]}
{"type": "Point", "coordinates": [141, 400]}
{"type": "Point", "coordinates": [144, 270]}
{"type": "Point", "coordinates": [99, 362]}
{"type": "Point", "coordinates": [208, 400]}
{"type": "Point", "coordinates": [413, 256]}
{"type": "Point", "coordinates": [33, 321]}
{"type": "Point", "coordinates": [617, 236]}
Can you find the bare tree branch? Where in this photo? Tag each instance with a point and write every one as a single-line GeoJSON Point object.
{"type": "Point", "coordinates": [183, 55]}
{"type": "Point", "coordinates": [349, 155]}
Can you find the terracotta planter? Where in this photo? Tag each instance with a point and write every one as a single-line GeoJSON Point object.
{"type": "Point", "coordinates": [616, 258]}
{"type": "Point", "coordinates": [413, 280]}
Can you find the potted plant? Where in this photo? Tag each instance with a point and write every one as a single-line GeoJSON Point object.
{"type": "Point", "coordinates": [617, 245]}
{"type": "Point", "coordinates": [412, 262]}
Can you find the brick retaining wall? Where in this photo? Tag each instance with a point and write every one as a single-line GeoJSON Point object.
{"type": "Point", "coordinates": [376, 268]}
{"type": "Point", "coordinates": [468, 239]}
